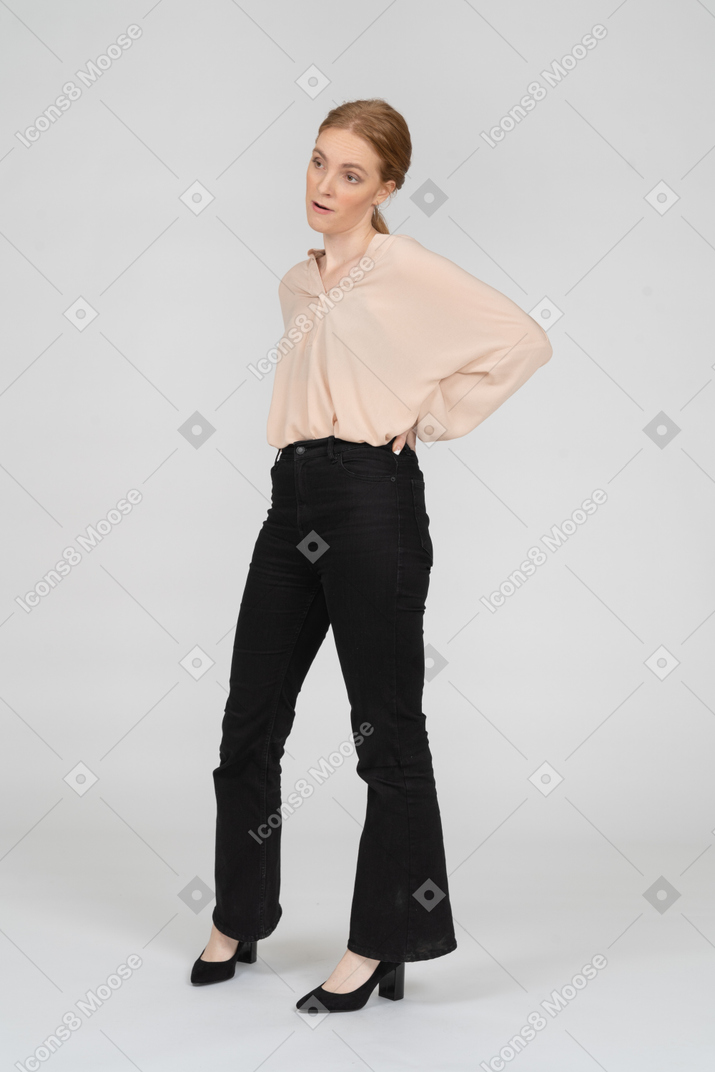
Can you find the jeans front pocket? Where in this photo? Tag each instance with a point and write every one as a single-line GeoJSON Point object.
{"type": "Point", "coordinates": [368, 463]}
{"type": "Point", "coordinates": [421, 515]}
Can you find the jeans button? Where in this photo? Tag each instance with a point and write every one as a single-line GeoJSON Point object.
{"type": "Point", "coordinates": [300, 450]}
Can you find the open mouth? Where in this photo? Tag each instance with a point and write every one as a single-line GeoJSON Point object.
{"type": "Point", "coordinates": [324, 207]}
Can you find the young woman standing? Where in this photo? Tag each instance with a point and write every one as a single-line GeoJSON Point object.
{"type": "Point", "coordinates": [385, 342]}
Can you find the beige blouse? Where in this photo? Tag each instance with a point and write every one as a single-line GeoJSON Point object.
{"type": "Point", "coordinates": [406, 338]}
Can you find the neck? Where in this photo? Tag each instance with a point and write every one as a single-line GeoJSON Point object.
{"type": "Point", "coordinates": [345, 247]}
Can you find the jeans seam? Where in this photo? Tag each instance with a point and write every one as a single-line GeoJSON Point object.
{"type": "Point", "coordinates": [418, 519]}
{"type": "Point", "coordinates": [397, 720]}
{"type": "Point", "coordinates": [376, 954]}
{"type": "Point", "coordinates": [269, 736]}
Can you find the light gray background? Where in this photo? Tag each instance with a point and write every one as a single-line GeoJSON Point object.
{"type": "Point", "coordinates": [557, 213]}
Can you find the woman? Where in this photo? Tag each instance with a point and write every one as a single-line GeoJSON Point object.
{"type": "Point", "coordinates": [385, 342]}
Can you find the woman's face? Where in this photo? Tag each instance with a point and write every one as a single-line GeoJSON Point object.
{"type": "Point", "coordinates": [344, 179]}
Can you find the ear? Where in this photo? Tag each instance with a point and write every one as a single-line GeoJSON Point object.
{"type": "Point", "coordinates": [389, 189]}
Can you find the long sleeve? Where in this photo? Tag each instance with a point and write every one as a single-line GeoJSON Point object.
{"type": "Point", "coordinates": [480, 343]}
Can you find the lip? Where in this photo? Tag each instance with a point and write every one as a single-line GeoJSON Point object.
{"type": "Point", "coordinates": [317, 208]}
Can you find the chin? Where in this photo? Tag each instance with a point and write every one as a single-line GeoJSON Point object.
{"type": "Point", "coordinates": [318, 223]}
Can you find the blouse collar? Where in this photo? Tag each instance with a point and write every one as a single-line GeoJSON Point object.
{"type": "Point", "coordinates": [376, 243]}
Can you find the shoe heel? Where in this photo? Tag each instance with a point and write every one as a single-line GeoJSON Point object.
{"type": "Point", "coordinates": [393, 985]}
{"type": "Point", "coordinates": [249, 954]}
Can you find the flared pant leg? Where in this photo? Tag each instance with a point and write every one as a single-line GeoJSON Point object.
{"type": "Point", "coordinates": [375, 576]}
{"type": "Point", "coordinates": [281, 624]}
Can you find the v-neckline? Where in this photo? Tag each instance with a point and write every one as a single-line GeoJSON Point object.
{"type": "Point", "coordinates": [312, 253]}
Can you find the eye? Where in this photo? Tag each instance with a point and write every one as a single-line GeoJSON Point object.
{"type": "Point", "coordinates": [351, 176]}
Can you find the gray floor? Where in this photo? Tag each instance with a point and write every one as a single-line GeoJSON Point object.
{"type": "Point", "coordinates": [529, 917]}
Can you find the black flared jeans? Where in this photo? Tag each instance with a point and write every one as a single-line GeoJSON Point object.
{"type": "Point", "coordinates": [345, 543]}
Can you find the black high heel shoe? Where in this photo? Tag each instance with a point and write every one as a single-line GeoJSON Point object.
{"type": "Point", "coordinates": [391, 978]}
{"type": "Point", "coordinates": [217, 971]}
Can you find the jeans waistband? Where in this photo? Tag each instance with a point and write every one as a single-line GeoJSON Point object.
{"type": "Point", "coordinates": [330, 445]}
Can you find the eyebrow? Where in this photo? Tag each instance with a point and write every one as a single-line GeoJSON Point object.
{"type": "Point", "coordinates": [356, 166]}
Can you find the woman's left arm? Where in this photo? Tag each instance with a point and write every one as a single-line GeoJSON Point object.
{"type": "Point", "coordinates": [468, 344]}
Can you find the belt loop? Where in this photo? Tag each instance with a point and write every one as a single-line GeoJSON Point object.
{"type": "Point", "coordinates": [331, 453]}
{"type": "Point", "coordinates": [278, 454]}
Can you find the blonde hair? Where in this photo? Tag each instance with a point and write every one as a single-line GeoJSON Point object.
{"type": "Point", "coordinates": [386, 131]}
